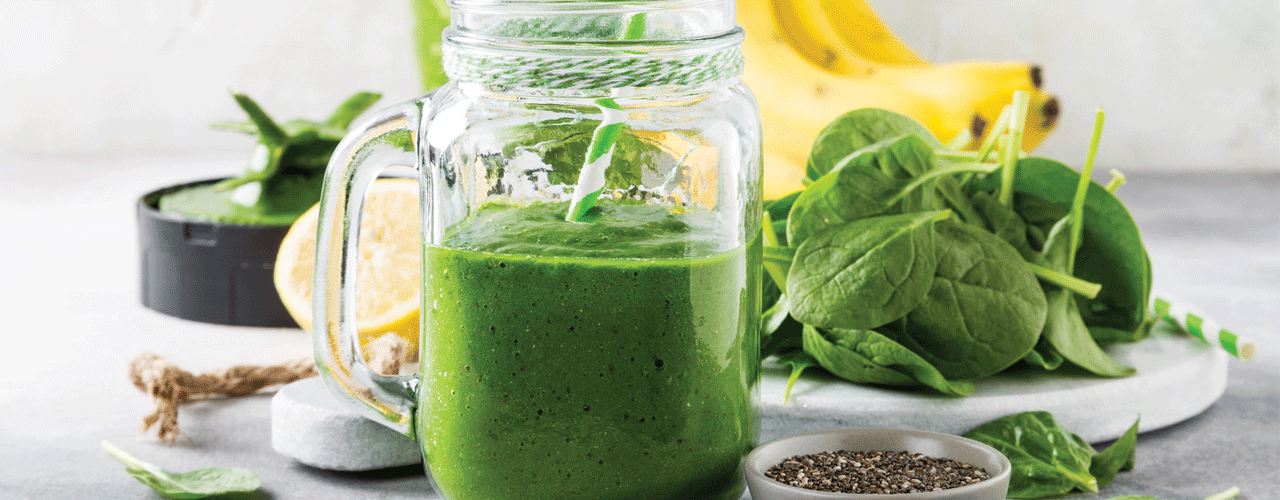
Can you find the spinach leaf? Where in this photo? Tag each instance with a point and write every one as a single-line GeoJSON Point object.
{"type": "Point", "coordinates": [1006, 224]}
{"type": "Point", "coordinates": [1066, 332]}
{"type": "Point", "coordinates": [799, 362]}
{"type": "Point", "coordinates": [1104, 335]}
{"type": "Point", "coordinates": [951, 196]}
{"type": "Point", "coordinates": [779, 209]}
{"type": "Point", "coordinates": [198, 483]}
{"type": "Point", "coordinates": [1120, 456]}
{"type": "Point", "coordinates": [900, 157]}
{"type": "Point", "coordinates": [858, 129]}
{"type": "Point", "coordinates": [848, 194]}
{"type": "Point", "coordinates": [865, 356]}
{"type": "Point", "coordinates": [1047, 459]}
{"type": "Point", "coordinates": [1043, 355]}
{"type": "Point", "coordinates": [1229, 494]}
{"type": "Point", "coordinates": [1064, 329]}
{"type": "Point", "coordinates": [984, 309]}
{"type": "Point", "coordinates": [1111, 253]}
{"type": "Point", "coordinates": [864, 273]}
{"type": "Point", "coordinates": [780, 333]}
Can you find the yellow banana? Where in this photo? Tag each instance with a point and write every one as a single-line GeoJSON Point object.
{"type": "Point", "coordinates": [798, 99]}
{"type": "Point", "coordinates": [1042, 115]}
{"type": "Point", "coordinates": [862, 30]}
{"type": "Point", "coordinates": [820, 31]}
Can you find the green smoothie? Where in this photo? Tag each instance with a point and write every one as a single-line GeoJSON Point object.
{"type": "Point", "coordinates": [612, 359]}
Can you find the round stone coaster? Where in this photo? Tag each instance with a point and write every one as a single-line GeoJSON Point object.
{"type": "Point", "coordinates": [1178, 377]}
{"type": "Point", "coordinates": [311, 426]}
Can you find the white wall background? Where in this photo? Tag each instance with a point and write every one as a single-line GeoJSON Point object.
{"type": "Point", "coordinates": [1186, 84]}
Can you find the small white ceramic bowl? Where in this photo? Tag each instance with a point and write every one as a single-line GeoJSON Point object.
{"type": "Point", "coordinates": [933, 444]}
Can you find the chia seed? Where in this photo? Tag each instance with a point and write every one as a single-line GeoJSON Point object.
{"type": "Point", "coordinates": [874, 472]}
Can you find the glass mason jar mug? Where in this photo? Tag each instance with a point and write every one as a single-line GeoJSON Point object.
{"type": "Point", "coordinates": [591, 220]}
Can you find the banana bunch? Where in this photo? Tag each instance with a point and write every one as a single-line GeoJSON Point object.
{"type": "Point", "coordinates": [809, 61]}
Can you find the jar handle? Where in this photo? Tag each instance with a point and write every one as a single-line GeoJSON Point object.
{"type": "Point", "coordinates": [387, 138]}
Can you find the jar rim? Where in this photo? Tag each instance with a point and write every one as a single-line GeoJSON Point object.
{"type": "Point", "coordinates": [593, 20]}
{"type": "Point", "coordinates": [578, 6]}
{"type": "Point", "coordinates": [587, 65]}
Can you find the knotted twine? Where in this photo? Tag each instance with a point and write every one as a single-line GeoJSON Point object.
{"type": "Point", "coordinates": [170, 387]}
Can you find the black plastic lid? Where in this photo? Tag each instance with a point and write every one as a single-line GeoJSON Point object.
{"type": "Point", "coordinates": [208, 271]}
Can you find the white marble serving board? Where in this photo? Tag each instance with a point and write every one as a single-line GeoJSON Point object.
{"type": "Point", "coordinates": [1178, 377]}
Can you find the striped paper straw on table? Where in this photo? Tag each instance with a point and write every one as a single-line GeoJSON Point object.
{"type": "Point", "coordinates": [1202, 327]}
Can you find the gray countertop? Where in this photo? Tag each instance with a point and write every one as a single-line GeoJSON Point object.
{"type": "Point", "coordinates": [74, 321]}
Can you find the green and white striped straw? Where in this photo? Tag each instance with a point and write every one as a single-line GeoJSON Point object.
{"type": "Point", "coordinates": [1202, 327]}
{"type": "Point", "coordinates": [591, 178]}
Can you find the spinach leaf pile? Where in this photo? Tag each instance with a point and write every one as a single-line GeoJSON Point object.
{"type": "Point", "coordinates": [905, 262]}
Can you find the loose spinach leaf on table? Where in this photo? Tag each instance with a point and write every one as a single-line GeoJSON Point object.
{"type": "Point", "coordinates": [1118, 457]}
{"type": "Point", "coordinates": [1111, 252]}
{"type": "Point", "coordinates": [858, 129]}
{"type": "Point", "coordinates": [865, 273]}
{"type": "Point", "coordinates": [1229, 494]}
{"type": "Point", "coordinates": [1049, 460]}
{"type": "Point", "coordinates": [198, 483]}
{"type": "Point", "coordinates": [984, 309]}
{"type": "Point", "coordinates": [865, 356]}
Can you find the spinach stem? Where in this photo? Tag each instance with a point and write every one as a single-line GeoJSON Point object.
{"type": "Point", "coordinates": [1017, 122]}
{"type": "Point", "coordinates": [1117, 179]}
{"type": "Point", "coordinates": [997, 129]}
{"type": "Point", "coordinates": [1229, 494]}
{"type": "Point", "coordinates": [1082, 190]}
{"type": "Point", "coordinates": [961, 139]}
{"type": "Point", "coordinates": [984, 168]}
{"type": "Point", "coordinates": [957, 155]}
{"type": "Point", "coordinates": [773, 267]}
{"type": "Point", "coordinates": [781, 255]}
{"type": "Point", "coordinates": [1077, 285]}
{"type": "Point", "coordinates": [797, 367]}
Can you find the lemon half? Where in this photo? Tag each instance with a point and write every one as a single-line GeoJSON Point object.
{"type": "Point", "coordinates": [389, 269]}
